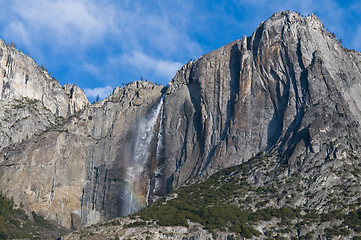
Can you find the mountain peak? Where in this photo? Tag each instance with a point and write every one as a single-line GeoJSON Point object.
{"type": "Point", "coordinates": [284, 103]}
{"type": "Point", "coordinates": [288, 21]}
{"type": "Point", "coordinates": [31, 100]}
{"type": "Point", "coordinates": [293, 17]}
{"type": "Point", "coordinates": [286, 27]}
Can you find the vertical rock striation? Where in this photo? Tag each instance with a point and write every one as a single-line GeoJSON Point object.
{"type": "Point", "coordinates": [77, 173]}
{"type": "Point", "coordinates": [290, 90]}
{"type": "Point", "coordinates": [279, 90]}
{"type": "Point", "coordinates": [31, 101]}
{"type": "Point", "coordinates": [20, 77]}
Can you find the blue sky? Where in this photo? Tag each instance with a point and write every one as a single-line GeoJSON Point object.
{"type": "Point", "coordinates": [102, 44]}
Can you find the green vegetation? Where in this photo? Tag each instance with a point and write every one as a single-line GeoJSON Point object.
{"type": "Point", "coordinates": [14, 223]}
{"type": "Point", "coordinates": [336, 231]}
{"type": "Point", "coordinates": [211, 204]}
{"type": "Point", "coordinates": [136, 224]}
{"type": "Point", "coordinates": [45, 70]}
{"type": "Point", "coordinates": [12, 44]}
{"type": "Point", "coordinates": [223, 202]}
{"type": "Point", "coordinates": [31, 100]}
{"type": "Point", "coordinates": [340, 41]}
{"type": "Point", "coordinates": [22, 104]}
{"type": "Point", "coordinates": [353, 220]}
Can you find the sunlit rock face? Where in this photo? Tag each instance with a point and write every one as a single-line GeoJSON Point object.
{"type": "Point", "coordinates": [290, 90]}
{"type": "Point", "coordinates": [20, 77]}
{"type": "Point", "coordinates": [30, 99]}
{"type": "Point", "coordinates": [98, 164]}
{"type": "Point", "coordinates": [76, 98]}
{"type": "Point", "coordinates": [281, 90]}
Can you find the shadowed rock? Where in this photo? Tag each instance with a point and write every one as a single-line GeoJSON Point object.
{"type": "Point", "coordinates": [290, 90]}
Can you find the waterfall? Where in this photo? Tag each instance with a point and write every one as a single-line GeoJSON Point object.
{"type": "Point", "coordinates": [135, 171]}
{"type": "Point", "coordinates": [145, 133]}
{"type": "Point", "coordinates": [160, 135]}
{"type": "Point", "coordinates": [160, 148]}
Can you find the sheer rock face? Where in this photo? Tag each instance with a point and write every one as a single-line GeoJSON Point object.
{"type": "Point", "coordinates": [281, 90]}
{"type": "Point", "coordinates": [31, 101]}
{"type": "Point", "coordinates": [20, 77]}
{"type": "Point", "coordinates": [77, 99]}
{"type": "Point", "coordinates": [290, 90]}
{"type": "Point", "coordinates": [75, 174]}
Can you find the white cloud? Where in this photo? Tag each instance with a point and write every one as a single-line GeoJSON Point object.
{"type": "Point", "coordinates": [72, 24]}
{"type": "Point", "coordinates": [82, 34]}
{"type": "Point", "coordinates": [92, 69]}
{"type": "Point", "coordinates": [16, 30]}
{"type": "Point", "coordinates": [102, 92]}
{"type": "Point", "coordinates": [62, 23]}
{"type": "Point", "coordinates": [161, 68]}
{"type": "Point", "coordinates": [161, 27]}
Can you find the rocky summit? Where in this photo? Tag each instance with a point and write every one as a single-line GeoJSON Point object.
{"type": "Point", "coordinates": [266, 127]}
{"type": "Point", "coordinates": [31, 100]}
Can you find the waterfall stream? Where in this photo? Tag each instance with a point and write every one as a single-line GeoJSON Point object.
{"type": "Point", "coordinates": [160, 134]}
{"type": "Point", "coordinates": [160, 148]}
{"type": "Point", "coordinates": [136, 170]}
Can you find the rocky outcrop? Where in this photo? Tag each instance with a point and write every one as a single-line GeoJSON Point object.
{"type": "Point", "coordinates": [78, 100]}
{"type": "Point", "coordinates": [31, 100]}
{"type": "Point", "coordinates": [290, 88]}
{"type": "Point", "coordinates": [126, 228]}
{"type": "Point", "coordinates": [76, 173]}
{"type": "Point", "coordinates": [289, 91]}
{"type": "Point", "coordinates": [20, 77]}
{"type": "Point", "coordinates": [23, 118]}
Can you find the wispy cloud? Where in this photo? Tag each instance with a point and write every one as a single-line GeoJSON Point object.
{"type": "Point", "coordinates": [92, 69]}
{"type": "Point", "coordinates": [102, 92]}
{"type": "Point", "coordinates": [143, 62]}
{"type": "Point", "coordinates": [63, 22]}
{"type": "Point", "coordinates": [80, 39]}
{"type": "Point", "coordinates": [74, 23]}
{"type": "Point", "coordinates": [91, 33]}
{"type": "Point", "coordinates": [17, 30]}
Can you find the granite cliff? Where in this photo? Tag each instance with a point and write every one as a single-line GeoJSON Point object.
{"type": "Point", "coordinates": [286, 100]}
{"type": "Point", "coordinates": [31, 100]}
{"type": "Point", "coordinates": [76, 172]}
{"type": "Point", "coordinates": [279, 90]}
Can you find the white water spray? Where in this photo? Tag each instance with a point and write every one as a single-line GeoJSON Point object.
{"type": "Point", "coordinates": [160, 148]}
{"type": "Point", "coordinates": [145, 133]}
{"type": "Point", "coordinates": [160, 135]}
